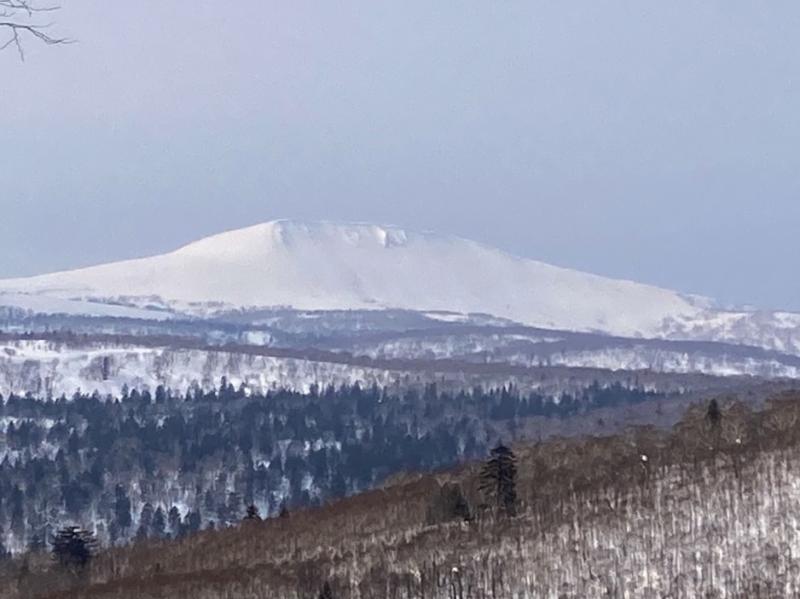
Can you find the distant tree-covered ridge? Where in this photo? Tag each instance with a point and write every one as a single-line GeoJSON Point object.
{"type": "Point", "coordinates": [162, 465]}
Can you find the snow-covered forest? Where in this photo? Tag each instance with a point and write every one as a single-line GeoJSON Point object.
{"type": "Point", "coordinates": [166, 465]}
{"type": "Point", "coordinates": [705, 510]}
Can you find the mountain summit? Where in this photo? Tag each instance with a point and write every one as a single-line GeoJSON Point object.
{"type": "Point", "coordinates": [322, 265]}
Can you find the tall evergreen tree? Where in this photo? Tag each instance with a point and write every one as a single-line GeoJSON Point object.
{"type": "Point", "coordinates": [74, 547]}
{"type": "Point", "coordinates": [122, 509]}
{"type": "Point", "coordinates": [174, 521]}
{"type": "Point", "coordinates": [145, 521]}
{"type": "Point", "coordinates": [191, 523]}
{"type": "Point", "coordinates": [714, 414]}
{"type": "Point", "coordinates": [499, 480]}
{"type": "Point", "coordinates": [159, 523]}
{"type": "Point", "coordinates": [17, 512]}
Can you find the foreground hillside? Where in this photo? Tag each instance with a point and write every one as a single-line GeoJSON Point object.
{"type": "Point", "coordinates": [702, 511]}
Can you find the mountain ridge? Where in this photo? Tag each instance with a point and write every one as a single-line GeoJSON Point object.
{"type": "Point", "coordinates": [325, 265]}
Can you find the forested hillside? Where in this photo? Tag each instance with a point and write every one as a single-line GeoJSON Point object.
{"type": "Point", "coordinates": [708, 509]}
{"type": "Point", "coordinates": [169, 465]}
{"type": "Point", "coordinates": [49, 365]}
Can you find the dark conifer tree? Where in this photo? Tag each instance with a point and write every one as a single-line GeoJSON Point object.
{"type": "Point", "coordinates": [17, 512]}
{"type": "Point", "coordinates": [714, 414]}
{"type": "Point", "coordinates": [159, 525]}
{"type": "Point", "coordinates": [174, 521]}
{"type": "Point", "coordinates": [4, 553]}
{"type": "Point", "coordinates": [191, 523]}
{"type": "Point", "coordinates": [499, 480]}
{"type": "Point", "coordinates": [145, 521]}
{"type": "Point", "coordinates": [122, 509]}
{"type": "Point", "coordinates": [74, 547]}
{"type": "Point", "coordinates": [252, 513]}
{"type": "Point", "coordinates": [326, 592]}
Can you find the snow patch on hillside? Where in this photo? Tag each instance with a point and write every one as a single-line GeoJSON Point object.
{"type": "Point", "coordinates": [38, 303]}
{"type": "Point", "coordinates": [50, 369]}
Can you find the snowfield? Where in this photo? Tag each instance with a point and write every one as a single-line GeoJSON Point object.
{"type": "Point", "coordinates": [48, 369]}
{"type": "Point", "coordinates": [36, 303]}
{"type": "Point", "coordinates": [496, 348]}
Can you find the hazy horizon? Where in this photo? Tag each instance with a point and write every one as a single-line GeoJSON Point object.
{"type": "Point", "coordinates": [655, 143]}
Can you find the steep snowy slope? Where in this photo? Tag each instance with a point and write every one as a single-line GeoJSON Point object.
{"type": "Point", "coordinates": [334, 266]}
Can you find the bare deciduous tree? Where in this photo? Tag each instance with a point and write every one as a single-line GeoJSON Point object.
{"type": "Point", "coordinates": [21, 18]}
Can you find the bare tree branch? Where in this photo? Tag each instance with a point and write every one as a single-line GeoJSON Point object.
{"type": "Point", "coordinates": [18, 17]}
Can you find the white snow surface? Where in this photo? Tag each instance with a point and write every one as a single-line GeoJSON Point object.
{"type": "Point", "coordinates": [318, 266]}
{"type": "Point", "coordinates": [52, 369]}
{"type": "Point", "coordinates": [51, 304]}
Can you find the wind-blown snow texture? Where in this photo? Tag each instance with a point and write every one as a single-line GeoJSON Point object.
{"type": "Point", "coordinates": [327, 266]}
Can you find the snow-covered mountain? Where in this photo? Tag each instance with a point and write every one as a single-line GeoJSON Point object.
{"type": "Point", "coordinates": [357, 266]}
{"type": "Point", "coordinates": [328, 266]}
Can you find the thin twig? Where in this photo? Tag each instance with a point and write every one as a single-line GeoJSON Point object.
{"type": "Point", "coordinates": [15, 10]}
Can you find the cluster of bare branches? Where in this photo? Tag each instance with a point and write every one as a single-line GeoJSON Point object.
{"type": "Point", "coordinates": [21, 18]}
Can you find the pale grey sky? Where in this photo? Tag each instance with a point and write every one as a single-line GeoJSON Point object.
{"type": "Point", "coordinates": [658, 141]}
